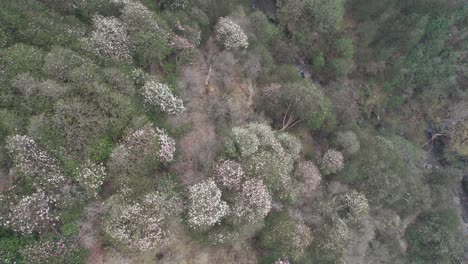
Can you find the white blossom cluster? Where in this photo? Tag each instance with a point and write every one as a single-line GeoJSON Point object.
{"type": "Point", "coordinates": [265, 154]}
{"type": "Point", "coordinates": [290, 144]}
{"type": "Point", "coordinates": [229, 174]}
{"type": "Point", "coordinates": [141, 148]}
{"type": "Point", "coordinates": [37, 212]}
{"type": "Point", "coordinates": [301, 238]}
{"type": "Point", "coordinates": [91, 177]}
{"type": "Point", "coordinates": [254, 202]}
{"type": "Point", "coordinates": [44, 251]}
{"type": "Point", "coordinates": [356, 207]}
{"type": "Point", "coordinates": [332, 161]}
{"type": "Point", "coordinates": [337, 237]}
{"type": "Point", "coordinates": [244, 141]}
{"type": "Point", "coordinates": [266, 136]}
{"type": "Point", "coordinates": [255, 137]}
{"type": "Point", "coordinates": [274, 169]}
{"type": "Point", "coordinates": [281, 261]}
{"type": "Point", "coordinates": [140, 226]}
{"type": "Point", "coordinates": [231, 35]}
{"type": "Point", "coordinates": [136, 15]}
{"type": "Point", "coordinates": [30, 161]}
{"type": "Point", "coordinates": [159, 95]}
{"type": "Point", "coordinates": [308, 174]}
{"type": "Point", "coordinates": [176, 4]}
{"type": "Point", "coordinates": [109, 38]}
{"type": "Point", "coordinates": [206, 207]}
{"type": "Point", "coordinates": [142, 141]}
{"type": "Point", "coordinates": [167, 146]}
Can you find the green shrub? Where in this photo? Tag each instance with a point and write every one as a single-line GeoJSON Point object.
{"type": "Point", "coordinates": [344, 48]}
{"type": "Point", "coordinates": [11, 244]}
{"type": "Point", "coordinates": [59, 63]}
{"type": "Point", "coordinates": [319, 62]}
{"type": "Point", "coordinates": [380, 172]}
{"type": "Point", "coordinates": [339, 68]}
{"type": "Point", "coordinates": [101, 150]}
{"type": "Point", "coordinates": [149, 48]}
{"type": "Point", "coordinates": [285, 236]}
{"type": "Point", "coordinates": [264, 31]}
{"type": "Point", "coordinates": [21, 58]}
{"type": "Point", "coordinates": [433, 237]}
{"type": "Point", "coordinates": [330, 243]}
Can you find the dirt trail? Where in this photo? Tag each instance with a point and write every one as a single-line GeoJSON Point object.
{"type": "Point", "coordinates": [89, 233]}
{"type": "Point", "coordinates": [200, 144]}
{"type": "Point", "coordinates": [213, 98]}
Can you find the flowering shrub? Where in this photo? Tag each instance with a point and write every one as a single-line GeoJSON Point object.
{"type": "Point", "coordinates": [109, 39]}
{"type": "Point", "coordinates": [264, 133]}
{"type": "Point", "coordinates": [91, 177]}
{"type": "Point", "coordinates": [332, 161]}
{"type": "Point", "coordinates": [333, 241]}
{"type": "Point", "coordinates": [265, 154]}
{"type": "Point", "coordinates": [159, 95]}
{"type": "Point", "coordinates": [166, 146]}
{"type": "Point", "coordinates": [354, 207]}
{"type": "Point", "coordinates": [206, 207]}
{"type": "Point", "coordinates": [49, 251]}
{"type": "Point", "coordinates": [140, 150]}
{"type": "Point", "coordinates": [243, 141]}
{"type": "Point", "coordinates": [273, 169]}
{"type": "Point", "coordinates": [287, 236]}
{"type": "Point", "coordinates": [229, 174]}
{"type": "Point", "coordinates": [290, 144]}
{"type": "Point", "coordinates": [39, 209]}
{"type": "Point", "coordinates": [37, 212]}
{"type": "Point", "coordinates": [348, 142]}
{"type": "Point", "coordinates": [223, 236]}
{"type": "Point", "coordinates": [174, 4]}
{"type": "Point", "coordinates": [140, 226]}
{"type": "Point", "coordinates": [230, 35]}
{"type": "Point", "coordinates": [33, 163]}
{"type": "Point", "coordinates": [308, 174]}
{"type": "Point", "coordinates": [136, 155]}
{"type": "Point", "coordinates": [254, 202]}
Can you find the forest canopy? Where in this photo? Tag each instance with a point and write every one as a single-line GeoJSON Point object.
{"type": "Point", "coordinates": [233, 131]}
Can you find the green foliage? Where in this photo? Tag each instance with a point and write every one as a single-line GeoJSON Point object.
{"type": "Point", "coordinates": [11, 244]}
{"type": "Point", "coordinates": [345, 48]}
{"type": "Point", "coordinates": [319, 62]}
{"type": "Point", "coordinates": [101, 150]}
{"type": "Point", "coordinates": [264, 31]}
{"type": "Point", "coordinates": [282, 237]}
{"type": "Point", "coordinates": [330, 243]}
{"type": "Point", "coordinates": [70, 230]}
{"type": "Point", "coordinates": [339, 67]}
{"type": "Point", "coordinates": [380, 172]}
{"type": "Point", "coordinates": [308, 103]}
{"type": "Point", "coordinates": [21, 58]}
{"type": "Point", "coordinates": [149, 48]}
{"type": "Point", "coordinates": [60, 62]}
{"type": "Point", "coordinates": [287, 73]}
{"type": "Point", "coordinates": [433, 237]}
{"type": "Point", "coordinates": [321, 15]}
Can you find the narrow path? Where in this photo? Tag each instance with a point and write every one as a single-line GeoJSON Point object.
{"type": "Point", "coordinates": [89, 235]}
{"type": "Point", "coordinates": [200, 144]}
